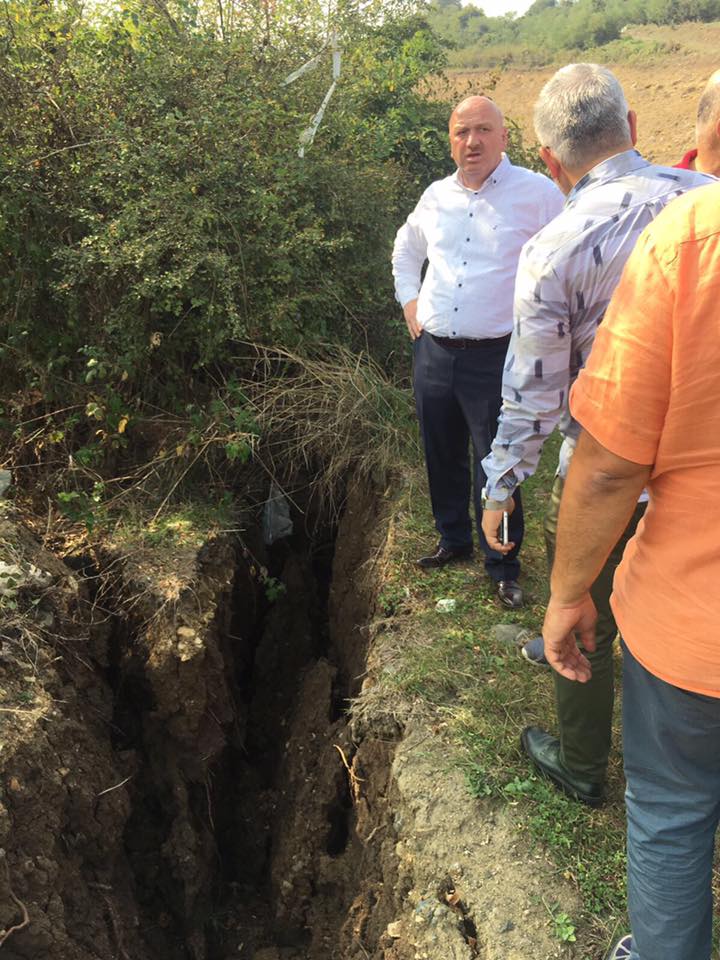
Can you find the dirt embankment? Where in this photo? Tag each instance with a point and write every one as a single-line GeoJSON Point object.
{"type": "Point", "coordinates": [662, 87]}
{"type": "Point", "coordinates": [179, 779]}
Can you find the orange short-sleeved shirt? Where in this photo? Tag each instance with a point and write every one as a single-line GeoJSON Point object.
{"type": "Point", "coordinates": [651, 393]}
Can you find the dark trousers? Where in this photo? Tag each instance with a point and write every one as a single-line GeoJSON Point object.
{"type": "Point", "coordinates": [458, 399]}
{"type": "Point", "coordinates": [584, 710]}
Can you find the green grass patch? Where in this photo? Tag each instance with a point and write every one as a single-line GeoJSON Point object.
{"type": "Point", "coordinates": [481, 693]}
{"type": "Point", "coordinates": [186, 525]}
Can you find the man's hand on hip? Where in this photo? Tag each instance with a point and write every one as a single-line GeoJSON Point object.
{"type": "Point", "coordinates": [562, 622]}
{"type": "Point", "coordinates": [410, 312]}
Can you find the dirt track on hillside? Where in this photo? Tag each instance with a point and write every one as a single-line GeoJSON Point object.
{"type": "Point", "coordinates": [663, 91]}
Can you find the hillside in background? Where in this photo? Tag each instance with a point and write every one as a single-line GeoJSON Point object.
{"type": "Point", "coordinates": [553, 26]}
{"type": "Point", "coordinates": [663, 85]}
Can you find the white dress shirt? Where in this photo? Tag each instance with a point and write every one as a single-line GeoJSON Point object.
{"type": "Point", "coordinates": [472, 240]}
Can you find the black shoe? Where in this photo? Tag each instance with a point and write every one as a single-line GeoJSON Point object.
{"type": "Point", "coordinates": [510, 594]}
{"type": "Point", "coordinates": [445, 555]}
{"type": "Point", "coordinates": [544, 751]}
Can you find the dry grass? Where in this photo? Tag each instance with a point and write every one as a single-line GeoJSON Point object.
{"type": "Point", "coordinates": [315, 419]}
{"type": "Point", "coordinates": [333, 415]}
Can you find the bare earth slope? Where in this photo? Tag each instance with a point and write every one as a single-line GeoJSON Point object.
{"type": "Point", "coordinates": [663, 89]}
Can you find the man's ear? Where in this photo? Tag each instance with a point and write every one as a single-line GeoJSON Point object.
{"type": "Point", "coordinates": [632, 123]}
{"type": "Point", "coordinates": [505, 136]}
{"type": "Point", "coordinates": [551, 162]}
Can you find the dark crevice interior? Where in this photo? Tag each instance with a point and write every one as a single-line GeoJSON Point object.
{"type": "Point", "coordinates": [239, 808]}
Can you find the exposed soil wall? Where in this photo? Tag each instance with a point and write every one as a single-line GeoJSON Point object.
{"type": "Point", "coordinates": [179, 779]}
{"type": "Point", "coordinates": [63, 867]}
{"type": "Point", "coordinates": [184, 784]}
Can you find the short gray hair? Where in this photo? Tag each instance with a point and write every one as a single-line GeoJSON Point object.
{"type": "Point", "coordinates": [581, 114]}
{"type": "Point", "coordinates": [709, 104]}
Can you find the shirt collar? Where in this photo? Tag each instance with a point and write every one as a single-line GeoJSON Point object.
{"type": "Point", "coordinates": [617, 166]}
{"type": "Point", "coordinates": [497, 176]}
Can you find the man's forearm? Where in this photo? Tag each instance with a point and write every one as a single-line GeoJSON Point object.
{"type": "Point", "coordinates": [515, 451]}
{"type": "Point", "coordinates": [600, 494]}
{"type": "Point", "coordinates": [533, 390]}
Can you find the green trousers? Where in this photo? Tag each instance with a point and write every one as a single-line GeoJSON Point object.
{"type": "Point", "coordinates": [585, 710]}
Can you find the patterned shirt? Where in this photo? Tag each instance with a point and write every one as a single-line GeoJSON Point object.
{"type": "Point", "coordinates": [566, 276]}
{"type": "Point", "coordinates": [472, 240]}
{"type": "Point", "coordinates": [658, 351]}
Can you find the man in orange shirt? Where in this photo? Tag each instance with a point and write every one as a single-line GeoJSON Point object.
{"type": "Point", "coordinates": [649, 405]}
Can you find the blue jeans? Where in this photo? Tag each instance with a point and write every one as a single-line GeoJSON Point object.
{"type": "Point", "coordinates": [671, 743]}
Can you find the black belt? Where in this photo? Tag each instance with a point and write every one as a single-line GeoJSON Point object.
{"type": "Point", "coordinates": [469, 343]}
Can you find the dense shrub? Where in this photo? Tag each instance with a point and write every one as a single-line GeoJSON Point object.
{"type": "Point", "coordinates": [153, 203]}
{"type": "Point", "coordinates": [154, 212]}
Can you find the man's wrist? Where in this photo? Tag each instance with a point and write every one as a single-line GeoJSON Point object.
{"type": "Point", "coordinates": [407, 298]}
{"type": "Point", "coordinates": [567, 596]}
{"type": "Point", "coordinates": [489, 503]}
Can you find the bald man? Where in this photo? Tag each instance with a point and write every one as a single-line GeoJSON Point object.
{"type": "Point", "coordinates": [469, 227]}
{"type": "Point", "coordinates": [706, 155]}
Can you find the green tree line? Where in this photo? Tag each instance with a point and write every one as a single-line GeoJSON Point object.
{"type": "Point", "coordinates": [550, 26]}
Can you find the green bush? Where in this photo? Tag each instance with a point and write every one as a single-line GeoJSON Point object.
{"type": "Point", "coordinates": [155, 212]}
{"type": "Point", "coordinates": [154, 204]}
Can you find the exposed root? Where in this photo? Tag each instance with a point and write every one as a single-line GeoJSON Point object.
{"type": "Point", "coordinates": [5, 934]}
{"type": "Point", "coordinates": [355, 780]}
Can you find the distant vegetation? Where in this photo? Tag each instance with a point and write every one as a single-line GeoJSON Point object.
{"type": "Point", "coordinates": [552, 26]}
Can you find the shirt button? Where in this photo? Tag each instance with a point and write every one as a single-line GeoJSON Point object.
{"type": "Point", "coordinates": [464, 263]}
{"type": "Point", "coordinates": [455, 309]}
{"type": "Point", "coordinates": [467, 239]}
{"type": "Point", "coordinates": [470, 214]}
{"type": "Point", "coordinates": [459, 284]}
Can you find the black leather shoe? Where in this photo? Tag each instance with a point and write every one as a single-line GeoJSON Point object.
{"type": "Point", "coordinates": [544, 751]}
{"type": "Point", "coordinates": [510, 593]}
{"type": "Point", "coordinates": [445, 555]}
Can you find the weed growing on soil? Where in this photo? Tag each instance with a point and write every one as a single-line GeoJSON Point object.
{"type": "Point", "coordinates": [563, 926]}
{"type": "Point", "coordinates": [480, 694]}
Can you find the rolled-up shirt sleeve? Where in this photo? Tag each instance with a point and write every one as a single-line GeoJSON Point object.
{"type": "Point", "coordinates": [621, 397]}
{"type": "Point", "coordinates": [536, 377]}
{"type": "Point", "coordinates": [409, 255]}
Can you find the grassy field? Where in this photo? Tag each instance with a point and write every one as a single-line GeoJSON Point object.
{"type": "Point", "coordinates": [479, 694]}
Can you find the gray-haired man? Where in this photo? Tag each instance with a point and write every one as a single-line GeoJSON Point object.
{"type": "Point", "coordinates": [566, 276]}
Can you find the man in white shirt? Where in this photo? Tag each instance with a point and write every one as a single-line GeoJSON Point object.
{"type": "Point", "coordinates": [470, 228]}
